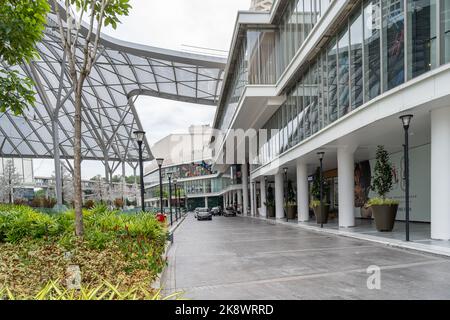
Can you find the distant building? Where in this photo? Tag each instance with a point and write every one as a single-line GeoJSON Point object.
{"type": "Point", "coordinates": [187, 158]}
{"type": "Point", "coordinates": [261, 5]}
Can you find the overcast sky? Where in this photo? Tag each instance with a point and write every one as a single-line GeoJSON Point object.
{"type": "Point", "coordinates": [172, 24]}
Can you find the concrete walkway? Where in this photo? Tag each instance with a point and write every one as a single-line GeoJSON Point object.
{"type": "Point", "coordinates": [244, 258]}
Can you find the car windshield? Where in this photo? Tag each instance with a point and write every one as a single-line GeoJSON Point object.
{"type": "Point", "coordinates": [203, 210]}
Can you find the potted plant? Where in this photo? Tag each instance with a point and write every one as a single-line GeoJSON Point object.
{"type": "Point", "coordinates": [270, 203]}
{"type": "Point", "coordinates": [320, 211]}
{"type": "Point", "coordinates": [291, 205]}
{"type": "Point", "coordinates": [384, 210]}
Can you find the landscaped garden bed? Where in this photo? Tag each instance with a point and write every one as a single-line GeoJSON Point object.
{"type": "Point", "coordinates": [119, 252]}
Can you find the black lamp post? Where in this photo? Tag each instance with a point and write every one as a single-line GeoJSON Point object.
{"type": "Point", "coordinates": [176, 199]}
{"type": "Point", "coordinates": [265, 192]}
{"type": "Point", "coordinates": [139, 136]}
{"type": "Point", "coordinates": [406, 119]}
{"type": "Point", "coordinates": [169, 175]}
{"type": "Point", "coordinates": [179, 201]}
{"type": "Point", "coordinates": [160, 161]}
{"type": "Point", "coordinates": [285, 192]}
{"type": "Point", "coordinates": [321, 154]}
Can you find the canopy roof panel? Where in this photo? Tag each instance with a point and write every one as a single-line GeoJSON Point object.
{"type": "Point", "coordinates": [122, 71]}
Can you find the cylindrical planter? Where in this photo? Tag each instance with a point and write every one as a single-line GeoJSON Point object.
{"type": "Point", "coordinates": [366, 212]}
{"type": "Point", "coordinates": [321, 217]}
{"type": "Point", "coordinates": [291, 212]}
{"type": "Point", "coordinates": [384, 216]}
{"type": "Point", "coordinates": [271, 212]}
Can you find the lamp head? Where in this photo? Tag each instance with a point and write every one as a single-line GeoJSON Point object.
{"type": "Point", "coordinates": [321, 154]}
{"type": "Point", "coordinates": [159, 161]}
{"type": "Point", "coordinates": [169, 175]}
{"type": "Point", "coordinates": [139, 135]}
{"type": "Point", "coordinates": [285, 170]}
{"type": "Point", "coordinates": [175, 181]}
{"type": "Point", "coordinates": [406, 120]}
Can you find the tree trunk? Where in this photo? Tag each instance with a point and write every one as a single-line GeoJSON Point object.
{"type": "Point", "coordinates": [78, 201]}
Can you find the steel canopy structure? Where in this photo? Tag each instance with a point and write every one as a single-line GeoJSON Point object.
{"type": "Point", "coordinates": [122, 72]}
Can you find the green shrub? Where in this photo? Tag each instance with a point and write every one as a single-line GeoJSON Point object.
{"type": "Point", "coordinates": [314, 204]}
{"type": "Point", "coordinates": [381, 202]}
{"type": "Point", "coordinates": [53, 290]}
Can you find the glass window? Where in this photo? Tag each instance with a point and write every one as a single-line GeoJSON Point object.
{"type": "Point", "coordinates": [445, 27]}
{"type": "Point", "coordinates": [324, 4]}
{"type": "Point", "coordinates": [307, 104]}
{"type": "Point", "coordinates": [393, 43]}
{"type": "Point", "coordinates": [343, 64]}
{"type": "Point", "coordinates": [301, 114]}
{"type": "Point", "coordinates": [356, 58]}
{"type": "Point", "coordinates": [314, 114]}
{"type": "Point", "coordinates": [324, 104]}
{"type": "Point", "coordinates": [307, 16]}
{"type": "Point", "coordinates": [300, 22]}
{"type": "Point", "coordinates": [421, 36]}
{"type": "Point", "coordinates": [372, 62]}
{"type": "Point", "coordinates": [332, 82]}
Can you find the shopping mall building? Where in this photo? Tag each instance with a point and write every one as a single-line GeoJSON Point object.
{"type": "Point", "coordinates": [326, 76]}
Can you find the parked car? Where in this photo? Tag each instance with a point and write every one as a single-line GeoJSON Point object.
{"type": "Point", "coordinates": [216, 211]}
{"type": "Point", "coordinates": [204, 214]}
{"type": "Point", "coordinates": [230, 212]}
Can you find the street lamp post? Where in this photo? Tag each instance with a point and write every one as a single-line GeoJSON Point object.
{"type": "Point", "coordinates": [176, 199]}
{"type": "Point", "coordinates": [321, 154]}
{"type": "Point", "coordinates": [139, 136]}
{"type": "Point", "coordinates": [179, 201]}
{"type": "Point", "coordinates": [285, 192]}
{"type": "Point", "coordinates": [169, 175]}
{"type": "Point", "coordinates": [406, 120]}
{"type": "Point", "coordinates": [160, 161]}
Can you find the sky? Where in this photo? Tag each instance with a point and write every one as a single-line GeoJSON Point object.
{"type": "Point", "coordinates": [171, 24]}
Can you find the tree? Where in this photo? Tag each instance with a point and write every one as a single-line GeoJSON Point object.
{"type": "Point", "coordinates": [22, 23]}
{"type": "Point", "coordinates": [382, 182]}
{"type": "Point", "coordinates": [99, 13]}
{"type": "Point", "coordinates": [9, 180]}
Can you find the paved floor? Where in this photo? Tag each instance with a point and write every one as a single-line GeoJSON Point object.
{"type": "Point", "coordinates": [244, 258]}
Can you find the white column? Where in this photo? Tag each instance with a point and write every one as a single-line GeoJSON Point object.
{"type": "Point", "coordinates": [244, 171]}
{"type": "Point", "coordinates": [440, 174]}
{"type": "Point", "coordinates": [279, 195]}
{"type": "Point", "coordinates": [346, 186]}
{"type": "Point", "coordinates": [206, 202]}
{"type": "Point", "coordinates": [263, 211]}
{"type": "Point", "coordinates": [302, 192]}
{"type": "Point", "coordinates": [252, 199]}
{"type": "Point", "coordinates": [224, 200]}
{"type": "Point", "coordinates": [239, 200]}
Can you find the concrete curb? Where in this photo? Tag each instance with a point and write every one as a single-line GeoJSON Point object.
{"type": "Point", "coordinates": [157, 283]}
{"type": "Point", "coordinates": [414, 246]}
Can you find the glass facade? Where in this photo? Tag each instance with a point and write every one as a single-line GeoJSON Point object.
{"type": "Point", "coordinates": [255, 64]}
{"type": "Point", "coordinates": [296, 24]}
{"type": "Point", "coordinates": [191, 187]}
{"type": "Point", "coordinates": [183, 171]}
{"type": "Point", "coordinates": [382, 44]}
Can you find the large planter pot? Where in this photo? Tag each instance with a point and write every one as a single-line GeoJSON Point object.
{"type": "Point", "coordinates": [321, 217]}
{"type": "Point", "coordinates": [271, 212]}
{"type": "Point", "coordinates": [291, 212]}
{"type": "Point", "coordinates": [366, 212]}
{"type": "Point", "coordinates": [384, 216]}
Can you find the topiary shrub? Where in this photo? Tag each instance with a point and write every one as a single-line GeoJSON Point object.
{"type": "Point", "coordinates": [382, 180]}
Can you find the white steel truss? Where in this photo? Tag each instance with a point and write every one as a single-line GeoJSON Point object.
{"type": "Point", "coordinates": [122, 71]}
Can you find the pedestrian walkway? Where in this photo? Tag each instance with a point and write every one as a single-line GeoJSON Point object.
{"type": "Point", "coordinates": [244, 258]}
